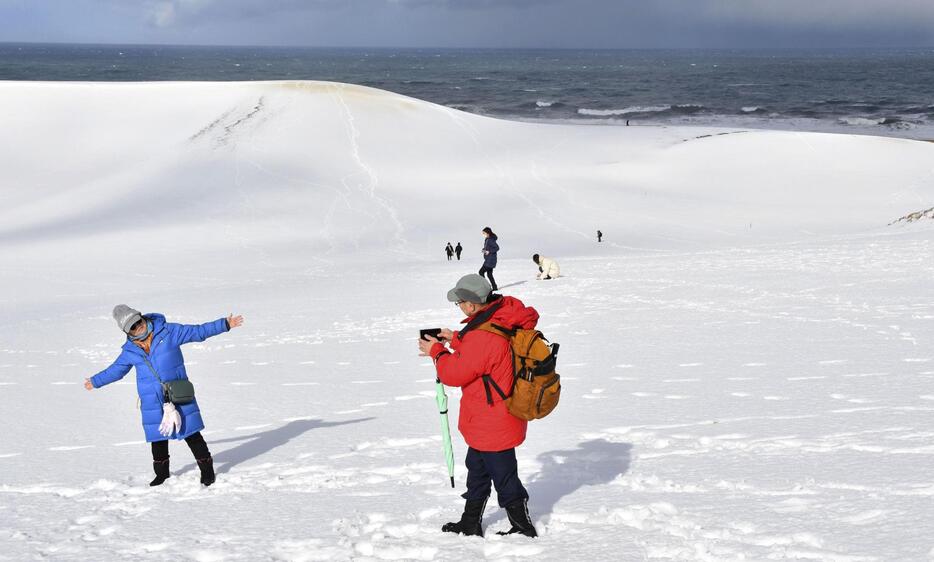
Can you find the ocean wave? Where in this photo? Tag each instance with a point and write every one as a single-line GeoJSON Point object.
{"type": "Point", "coordinates": [541, 103]}
{"type": "Point", "coordinates": [892, 122]}
{"type": "Point", "coordinates": [469, 108]}
{"type": "Point", "coordinates": [626, 111]}
{"type": "Point", "coordinates": [680, 109]}
{"type": "Point", "coordinates": [751, 109]}
{"type": "Point", "coordinates": [860, 121]}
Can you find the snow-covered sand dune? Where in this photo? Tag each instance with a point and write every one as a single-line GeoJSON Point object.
{"type": "Point", "coordinates": [746, 359]}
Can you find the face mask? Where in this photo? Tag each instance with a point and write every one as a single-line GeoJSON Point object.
{"type": "Point", "coordinates": [144, 335]}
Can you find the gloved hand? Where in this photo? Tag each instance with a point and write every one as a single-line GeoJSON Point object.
{"type": "Point", "coordinates": [171, 420]}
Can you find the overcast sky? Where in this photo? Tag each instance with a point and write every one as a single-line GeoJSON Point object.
{"type": "Point", "coordinates": [475, 23]}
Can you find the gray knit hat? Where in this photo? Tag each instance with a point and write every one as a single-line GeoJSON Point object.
{"type": "Point", "coordinates": [470, 288]}
{"type": "Point", "coordinates": [126, 317]}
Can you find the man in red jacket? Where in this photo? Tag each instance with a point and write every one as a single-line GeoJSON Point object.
{"type": "Point", "coordinates": [476, 361]}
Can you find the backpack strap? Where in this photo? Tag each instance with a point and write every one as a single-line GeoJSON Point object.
{"type": "Point", "coordinates": [487, 383]}
{"type": "Point", "coordinates": [481, 318]}
{"type": "Point", "coordinates": [482, 322]}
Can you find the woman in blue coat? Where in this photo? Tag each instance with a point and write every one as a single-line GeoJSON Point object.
{"type": "Point", "coordinates": [153, 347]}
{"type": "Point", "coordinates": [490, 247]}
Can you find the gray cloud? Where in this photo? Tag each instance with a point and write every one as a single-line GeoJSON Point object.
{"type": "Point", "coordinates": [477, 23]}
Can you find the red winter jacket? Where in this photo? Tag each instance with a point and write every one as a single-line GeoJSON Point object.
{"type": "Point", "coordinates": [485, 427]}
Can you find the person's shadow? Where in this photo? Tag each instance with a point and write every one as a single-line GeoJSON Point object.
{"type": "Point", "coordinates": [261, 443]}
{"type": "Point", "coordinates": [564, 472]}
{"type": "Point", "coordinates": [510, 285]}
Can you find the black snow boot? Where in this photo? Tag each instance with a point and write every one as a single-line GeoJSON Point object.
{"type": "Point", "coordinates": [518, 513]}
{"type": "Point", "coordinates": [161, 468]}
{"type": "Point", "coordinates": [207, 470]}
{"type": "Point", "coordinates": [469, 525]}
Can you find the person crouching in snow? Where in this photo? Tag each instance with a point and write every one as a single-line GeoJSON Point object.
{"type": "Point", "coordinates": [153, 348]}
{"type": "Point", "coordinates": [547, 267]}
{"type": "Point", "coordinates": [476, 360]}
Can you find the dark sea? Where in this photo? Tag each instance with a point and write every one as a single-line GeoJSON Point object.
{"type": "Point", "coordinates": [878, 92]}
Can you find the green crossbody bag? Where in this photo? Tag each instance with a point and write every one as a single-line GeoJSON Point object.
{"type": "Point", "coordinates": [179, 391]}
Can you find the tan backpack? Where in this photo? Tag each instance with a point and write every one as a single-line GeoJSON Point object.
{"type": "Point", "coordinates": [536, 386]}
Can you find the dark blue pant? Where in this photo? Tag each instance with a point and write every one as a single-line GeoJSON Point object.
{"type": "Point", "coordinates": [498, 468]}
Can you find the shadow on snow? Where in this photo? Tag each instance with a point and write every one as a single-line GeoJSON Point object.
{"type": "Point", "coordinates": [258, 444]}
{"type": "Point", "coordinates": [565, 471]}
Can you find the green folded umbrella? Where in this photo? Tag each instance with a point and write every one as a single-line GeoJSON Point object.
{"type": "Point", "coordinates": [442, 399]}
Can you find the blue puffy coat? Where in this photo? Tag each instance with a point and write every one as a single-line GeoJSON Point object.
{"type": "Point", "coordinates": [165, 357]}
{"type": "Point", "coordinates": [490, 247]}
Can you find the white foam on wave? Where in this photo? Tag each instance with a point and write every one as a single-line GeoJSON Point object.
{"type": "Point", "coordinates": [626, 111]}
{"type": "Point", "coordinates": [541, 103]}
{"type": "Point", "coordinates": [751, 109]}
{"type": "Point", "coordinates": [860, 121]}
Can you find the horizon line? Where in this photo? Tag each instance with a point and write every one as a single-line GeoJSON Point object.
{"type": "Point", "coordinates": [461, 48]}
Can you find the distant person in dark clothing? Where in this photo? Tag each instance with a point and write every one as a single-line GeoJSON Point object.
{"type": "Point", "coordinates": [449, 250]}
{"type": "Point", "coordinates": [490, 247]}
{"type": "Point", "coordinates": [599, 236]}
{"type": "Point", "coordinates": [457, 250]}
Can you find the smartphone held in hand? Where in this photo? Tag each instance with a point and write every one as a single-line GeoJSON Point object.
{"type": "Point", "coordinates": [433, 332]}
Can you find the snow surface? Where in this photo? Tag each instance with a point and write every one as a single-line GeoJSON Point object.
{"type": "Point", "coordinates": [746, 359]}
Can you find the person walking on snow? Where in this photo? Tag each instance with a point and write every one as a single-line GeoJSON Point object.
{"type": "Point", "coordinates": [599, 236]}
{"type": "Point", "coordinates": [492, 433]}
{"type": "Point", "coordinates": [490, 247]}
{"type": "Point", "coordinates": [547, 267]}
{"type": "Point", "coordinates": [153, 347]}
{"type": "Point", "coordinates": [449, 250]}
{"type": "Point", "coordinates": [457, 250]}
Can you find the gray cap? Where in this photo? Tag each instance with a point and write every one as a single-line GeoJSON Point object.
{"type": "Point", "coordinates": [470, 288]}
{"type": "Point", "coordinates": [126, 317]}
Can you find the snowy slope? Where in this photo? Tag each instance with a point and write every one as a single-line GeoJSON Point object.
{"type": "Point", "coordinates": [746, 359]}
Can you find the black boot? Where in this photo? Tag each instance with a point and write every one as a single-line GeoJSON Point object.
{"type": "Point", "coordinates": [469, 525]}
{"type": "Point", "coordinates": [161, 468]}
{"type": "Point", "coordinates": [207, 470]}
{"type": "Point", "coordinates": [518, 513]}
